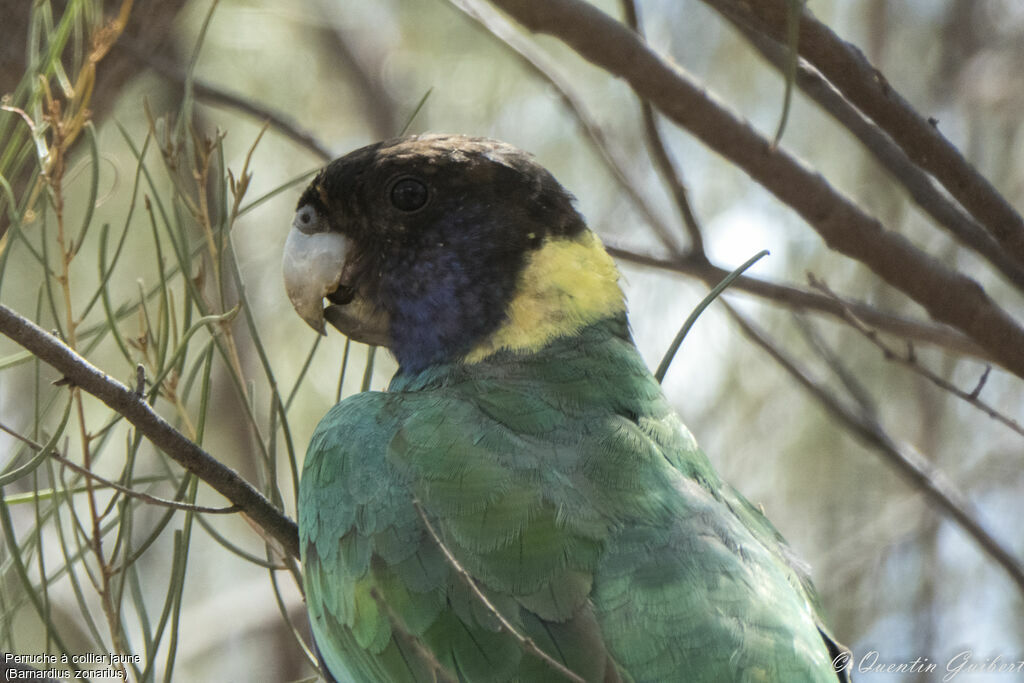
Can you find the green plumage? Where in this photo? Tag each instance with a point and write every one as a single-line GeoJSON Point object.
{"type": "Point", "coordinates": [567, 487]}
{"type": "Point", "coordinates": [524, 435]}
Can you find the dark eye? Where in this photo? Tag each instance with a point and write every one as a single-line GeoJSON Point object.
{"type": "Point", "coordinates": [409, 194]}
{"type": "Point", "coordinates": [307, 220]}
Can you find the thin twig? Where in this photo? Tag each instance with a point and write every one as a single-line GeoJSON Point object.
{"type": "Point", "coordinates": [163, 502]}
{"type": "Point", "coordinates": [524, 642]}
{"type": "Point", "coordinates": [154, 500]}
{"type": "Point", "coordinates": [976, 391]}
{"type": "Point", "coordinates": [123, 400]}
{"type": "Point", "coordinates": [854, 387]}
{"type": "Point", "coordinates": [421, 649]}
{"type": "Point", "coordinates": [663, 162]}
{"type": "Point", "coordinates": [909, 360]}
{"type": "Point", "coordinates": [949, 296]}
{"type": "Point", "coordinates": [802, 299]}
{"type": "Point", "coordinates": [918, 184]}
{"type": "Point", "coordinates": [867, 88]}
{"type": "Point", "coordinates": [673, 348]}
{"type": "Point", "coordinates": [140, 380]}
{"type": "Point", "coordinates": [921, 474]}
{"type": "Point", "coordinates": [540, 65]}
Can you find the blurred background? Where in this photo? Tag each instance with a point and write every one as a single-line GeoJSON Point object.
{"type": "Point", "coordinates": [142, 199]}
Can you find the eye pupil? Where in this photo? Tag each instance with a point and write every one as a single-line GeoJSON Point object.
{"type": "Point", "coordinates": [409, 194]}
{"type": "Point", "coordinates": [307, 220]}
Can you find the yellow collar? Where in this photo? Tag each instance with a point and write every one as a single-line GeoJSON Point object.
{"type": "Point", "coordinates": [567, 284]}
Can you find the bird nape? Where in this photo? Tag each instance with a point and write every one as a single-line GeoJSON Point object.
{"type": "Point", "coordinates": [522, 504]}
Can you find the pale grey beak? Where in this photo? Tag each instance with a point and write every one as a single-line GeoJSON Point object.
{"type": "Point", "coordinates": [312, 266]}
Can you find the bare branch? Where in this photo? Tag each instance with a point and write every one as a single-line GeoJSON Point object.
{"type": "Point", "coordinates": [851, 382]}
{"type": "Point", "coordinates": [948, 296]}
{"type": "Point", "coordinates": [662, 161]}
{"type": "Point", "coordinates": [865, 86]}
{"type": "Point", "coordinates": [81, 373]}
{"type": "Point", "coordinates": [540, 65]}
{"type": "Point", "coordinates": [154, 500]}
{"type": "Point", "coordinates": [920, 473]}
{"type": "Point", "coordinates": [888, 154]}
{"type": "Point", "coordinates": [802, 299]}
{"type": "Point", "coordinates": [908, 359]}
{"type": "Point", "coordinates": [145, 497]}
{"type": "Point", "coordinates": [976, 391]}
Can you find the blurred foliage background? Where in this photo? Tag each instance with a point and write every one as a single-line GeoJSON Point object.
{"type": "Point", "coordinates": [172, 262]}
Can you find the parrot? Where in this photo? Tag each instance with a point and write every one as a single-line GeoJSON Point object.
{"type": "Point", "coordinates": [522, 503]}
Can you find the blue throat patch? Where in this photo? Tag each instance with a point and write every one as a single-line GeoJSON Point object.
{"type": "Point", "coordinates": [454, 308]}
{"type": "Point", "coordinates": [452, 294]}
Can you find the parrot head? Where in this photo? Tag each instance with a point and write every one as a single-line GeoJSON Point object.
{"type": "Point", "coordinates": [444, 248]}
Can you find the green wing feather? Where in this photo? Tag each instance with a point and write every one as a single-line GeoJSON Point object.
{"type": "Point", "coordinates": [565, 485]}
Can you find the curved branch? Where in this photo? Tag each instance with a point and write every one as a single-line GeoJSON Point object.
{"type": "Point", "coordinates": [659, 152]}
{"type": "Point", "coordinates": [918, 184]}
{"type": "Point", "coordinates": [802, 299]}
{"type": "Point", "coordinates": [948, 296]}
{"type": "Point", "coordinates": [81, 373]}
{"type": "Point", "coordinates": [915, 468]}
{"type": "Point", "coordinates": [909, 359]}
{"type": "Point", "coordinates": [540, 65]}
{"type": "Point", "coordinates": [865, 86]}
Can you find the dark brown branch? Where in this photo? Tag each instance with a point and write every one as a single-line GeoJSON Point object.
{"type": "Point", "coordinates": [865, 86]}
{"type": "Point", "coordinates": [948, 296]}
{"type": "Point", "coordinates": [909, 360]}
{"type": "Point", "coordinates": [801, 299]}
{"type": "Point", "coordinates": [856, 390]}
{"type": "Point", "coordinates": [976, 391]}
{"type": "Point", "coordinates": [540, 65]}
{"type": "Point", "coordinates": [920, 473]}
{"type": "Point", "coordinates": [888, 154]}
{"type": "Point", "coordinates": [81, 373]}
{"type": "Point", "coordinates": [662, 161]}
